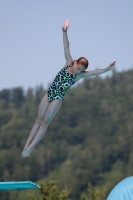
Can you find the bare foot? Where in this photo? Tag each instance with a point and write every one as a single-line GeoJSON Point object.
{"type": "Point", "coordinates": [26, 153]}
{"type": "Point", "coordinates": [26, 146]}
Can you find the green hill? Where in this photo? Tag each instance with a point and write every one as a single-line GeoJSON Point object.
{"type": "Point", "coordinates": [89, 140]}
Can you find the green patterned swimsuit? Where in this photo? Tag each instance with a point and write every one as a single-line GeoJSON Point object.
{"type": "Point", "coordinates": [60, 85]}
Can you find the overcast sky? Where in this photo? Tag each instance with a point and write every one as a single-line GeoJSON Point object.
{"type": "Point", "coordinates": [31, 47]}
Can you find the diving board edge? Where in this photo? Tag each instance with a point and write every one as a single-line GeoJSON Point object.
{"type": "Point", "coordinates": [14, 185]}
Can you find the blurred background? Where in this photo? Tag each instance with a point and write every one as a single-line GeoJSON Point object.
{"type": "Point", "coordinates": [90, 138]}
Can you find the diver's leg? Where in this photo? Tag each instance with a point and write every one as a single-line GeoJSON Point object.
{"type": "Point", "coordinates": [52, 109]}
{"type": "Point", "coordinates": [41, 112]}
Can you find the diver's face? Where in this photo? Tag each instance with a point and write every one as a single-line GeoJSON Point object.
{"type": "Point", "coordinates": [78, 68]}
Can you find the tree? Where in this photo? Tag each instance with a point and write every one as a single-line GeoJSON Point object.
{"type": "Point", "coordinates": [93, 194]}
{"type": "Point", "coordinates": [50, 191]}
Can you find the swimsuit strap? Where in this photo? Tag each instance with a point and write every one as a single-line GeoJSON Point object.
{"type": "Point", "coordinates": [67, 66]}
{"type": "Point", "coordinates": [67, 72]}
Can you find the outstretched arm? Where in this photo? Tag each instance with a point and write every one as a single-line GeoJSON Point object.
{"type": "Point", "coordinates": [68, 57]}
{"type": "Point", "coordinates": [98, 71]}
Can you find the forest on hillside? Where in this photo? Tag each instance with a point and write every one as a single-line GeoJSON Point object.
{"type": "Point", "coordinates": [89, 140]}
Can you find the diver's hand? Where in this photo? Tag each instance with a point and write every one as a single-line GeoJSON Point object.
{"type": "Point", "coordinates": [111, 65]}
{"type": "Point", "coordinates": [66, 25]}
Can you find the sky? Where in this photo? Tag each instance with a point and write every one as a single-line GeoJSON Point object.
{"type": "Point", "coordinates": [31, 45]}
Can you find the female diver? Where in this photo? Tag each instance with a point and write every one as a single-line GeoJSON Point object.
{"type": "Point", "coordinates": [52, 100]}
